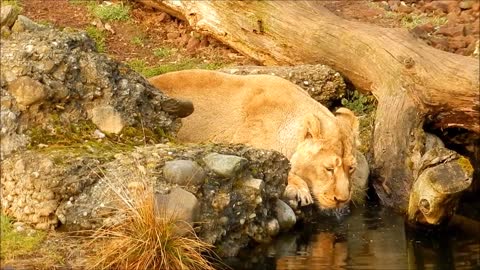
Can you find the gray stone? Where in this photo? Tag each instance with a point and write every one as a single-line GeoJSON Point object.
{"type": "Point", "coordinates": [27, 91]}
{"type": "Point", "coordinates": [5, 32]}
{"type": "Point", "coordinates": [179, 205]}
{"type": "Point", "coordinates": [285, 215]}
{"type": "Point", "coordinates": [25, 24]}
{"type": "Point", "coordinates": [254, 183]}
{"type": "Point", "coordinates": [8, 15]}
{"type": "Point", "coordinates": [183, 172]}
{"type": "Point", "coordinates": [107, 119]}
{"type": "Point", "coordinates": [273, 227]}
{"type": "Point", "coordinates": [225, 165]}
{"type": "Point", "coordinates": [359, 178]}
{"type": "Point", "coordinates": [321, 82]}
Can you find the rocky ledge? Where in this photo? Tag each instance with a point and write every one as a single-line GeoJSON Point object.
{"type": "Point", "coordinates": [230, 193]}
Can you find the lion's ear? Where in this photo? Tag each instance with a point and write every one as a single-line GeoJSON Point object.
{"type": "Point", "coordinates": [346, 115]}
{"type": "Point", "coordinates": [348, 118]}
{"type": "Point", "coordinates": [313, 127]}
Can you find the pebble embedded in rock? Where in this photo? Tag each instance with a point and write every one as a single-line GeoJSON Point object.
{"type": "Point", "coordinates": [107, 119]}
{"type": "Point", "coordinates": [27, 91]}
{"type": "Point", "coordinates": [273, 227]}
{"type": "Point", "coordinates": [179, 205]}
{"type": "Point", "coordinates": [224, 165]}
{"type": "Point", "coordinates": [183, 172]}
{"type": "Point", "coordinates": [285, 215]}
{"type": "Point", "coordinates": [254, 183]}
{"type": "Point", "coordinates": [25, 24]}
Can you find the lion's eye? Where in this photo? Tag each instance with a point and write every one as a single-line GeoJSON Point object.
{"type": "Point", "coordinates": [351, 170]}
{"type": "Point", "coordinates": [330, 170]}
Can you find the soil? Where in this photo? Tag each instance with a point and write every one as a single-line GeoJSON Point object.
{"type": "Point", "coordinates": [137, 38]}
{"type": "Point", "coordinates": [447, 25]}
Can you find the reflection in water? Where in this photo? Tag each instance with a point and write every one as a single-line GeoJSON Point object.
{"type": "Point", "coordinates": [368, 238]}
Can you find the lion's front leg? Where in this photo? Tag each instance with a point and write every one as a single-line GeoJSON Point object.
{"type": "Point", "coordinates": [297, 189]}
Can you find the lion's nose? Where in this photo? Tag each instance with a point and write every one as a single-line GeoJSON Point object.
{"type": "Point", "coordinates": [340, 199]}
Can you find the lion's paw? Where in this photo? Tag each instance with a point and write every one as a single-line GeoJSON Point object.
{"type": "Point", "coordinates": [300, 194]}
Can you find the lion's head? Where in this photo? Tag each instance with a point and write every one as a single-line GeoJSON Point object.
{"type": "Point", "coordinates": [325, 157]}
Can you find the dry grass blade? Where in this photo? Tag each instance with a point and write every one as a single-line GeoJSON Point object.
{"type": "Point", "coordinates": [146, 239]}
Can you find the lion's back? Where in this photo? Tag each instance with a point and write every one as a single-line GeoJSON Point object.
{"type": "Point", "coordinates": [251, 109]}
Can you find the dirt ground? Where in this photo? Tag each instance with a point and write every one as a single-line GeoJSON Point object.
{"type": "Point", "coordinates": [154, 37]}
{"type": "Point", "coordinates": [447, 25]}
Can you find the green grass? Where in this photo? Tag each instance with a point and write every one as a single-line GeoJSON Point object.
{"type": "Point", "coordinates": [138, 40]}
{"type": "Point", "coordinates": [15, 243]}
{"type": "Point", "coordinates": [13, 3]}
{"type": "Point", "coordinates": [113, 12]}
{"type": "Point", "coordinates": [359, 103]}
{"type": "Point", "coordinates": [149, 71]}
{"type": "Point", "coordinates": [79, 2]}
{"type": "Point", "coordinates": [163, 52]}
{"type": "Point", "coordinates": [411, 21]}
{"type": "Point", "coordinates": [98, 36]}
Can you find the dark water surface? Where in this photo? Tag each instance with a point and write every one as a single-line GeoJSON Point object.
{"type": "Point", "coordinates": [368, 238]}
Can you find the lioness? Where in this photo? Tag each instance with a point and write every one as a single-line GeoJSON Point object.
{"type": "Point", "coordinates": [272, 113]}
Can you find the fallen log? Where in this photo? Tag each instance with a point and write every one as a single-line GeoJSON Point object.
{"type": "Point", "coordinates": [413, 83]}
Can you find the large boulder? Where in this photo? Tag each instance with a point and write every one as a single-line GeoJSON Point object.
{"type": "Point", "coordinates": [54, 82]}
{"type": "Point", "coordinates": [321, 82]}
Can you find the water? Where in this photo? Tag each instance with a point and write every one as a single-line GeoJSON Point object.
{"type": "Point", "coordinates": [369, 238]}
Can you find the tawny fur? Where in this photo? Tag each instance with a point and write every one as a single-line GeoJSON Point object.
{"type": "Point", "coordinates": [272, 113]}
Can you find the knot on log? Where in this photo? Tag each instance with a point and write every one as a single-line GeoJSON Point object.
{"type": "Point", "coordinates": [408, 62]}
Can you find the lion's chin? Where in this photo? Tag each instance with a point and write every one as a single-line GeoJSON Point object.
{"type": "Point", "coordinates": [337, 212]}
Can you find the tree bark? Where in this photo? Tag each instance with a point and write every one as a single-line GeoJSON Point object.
{"type": "Point", "coordinates": [411, 81]}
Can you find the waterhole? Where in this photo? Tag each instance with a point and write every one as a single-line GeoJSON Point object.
{"type": "Point", "coordinates": [370, 237]}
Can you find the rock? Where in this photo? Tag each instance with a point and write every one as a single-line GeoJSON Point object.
{"type": "Point", "coordinates": [273, 227]}
{"type": "Point", "coordinates": [5, 32]}
{"type": "Point", "coordinates": [466, 4]}
{"type": "Point", "coordinates": [256, 184]}
{"type": "Point", "coordinates": [220, 201]}
{"type": "Point", "coordinates": [457, 42]}
{"type": "Point", "coordinates": [285, 215]}
{"type": "Point", "coordinates": [27, 91]}
{"type": "Point", "coordinates": [423, 30]}
{"type": "Point", "coordinates": [323, 83]}
{"type": "Point", "coordinates": [193, 44]}
{"type": "Point", "coordinates": [76, 80]}
{"type": "Point", "coordinates": [359, 179]}
{"type": "Point", "coordinates": [179, 205]}
{"type": "Point", "coordinates": [451, 31]}
{"type": "Point", "coordinates": [163, 17]}
{"type": "Point", "coordinates": [98, 134]}
{"type": "Point", "coordinates": [183, 172]}
{"type": "Point", "coordinates": [8, 16]}
{"type": "Point", "coordinates": [107, 119]}
{"type": "Point", "coordinates": [402, 8]}
{"type": "Point", "coordinates": [173, 35]}
{"type": "Point", "coordinates": [25, 24]}
{"type": "Point", "coordinates": [224, 165]}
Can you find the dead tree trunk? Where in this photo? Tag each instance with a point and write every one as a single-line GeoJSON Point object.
{"type": "Point", "coordinates": [411, 80]}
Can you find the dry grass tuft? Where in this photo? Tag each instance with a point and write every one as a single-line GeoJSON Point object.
{"type": "Point", "coordinates": [145, 240]}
